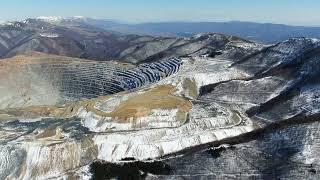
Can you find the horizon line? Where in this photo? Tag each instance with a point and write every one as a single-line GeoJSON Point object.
{"type": "Point", "coordinates": [132, 22]}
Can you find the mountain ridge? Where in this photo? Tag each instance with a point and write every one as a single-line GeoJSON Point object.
{"type": "Point", "coordinates": [259, 32]}
{"type": "Point", "coordinates": [77, 39]}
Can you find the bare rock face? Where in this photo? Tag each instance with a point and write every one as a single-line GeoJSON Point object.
{"type": "Point", "coordinates": [249, 113]}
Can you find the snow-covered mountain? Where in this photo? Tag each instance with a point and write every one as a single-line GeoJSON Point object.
{"type": "Point", "coordinates": [266, 33]}
{"type": "Point", "coordinates": [70, 37]}
{"type": "Point", "coordinates": [50, 19]}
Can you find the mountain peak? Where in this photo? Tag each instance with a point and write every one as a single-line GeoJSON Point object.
{"type": "Point", "coordinates": [50, 18]}
{"type": "Point", "coordinates": [59, 19]}
{"type": "Point", "coordinates": [78, 17]}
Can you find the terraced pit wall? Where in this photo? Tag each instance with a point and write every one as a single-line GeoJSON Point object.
{"type": "Point", "coordinates": [53, 80]}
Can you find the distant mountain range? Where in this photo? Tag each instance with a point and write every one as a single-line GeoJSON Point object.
{"type": "Point", "coordinates": [135, 43]}
{"type": "Point", "coordinates": [86, 38]}
{"type": "Point", "coordinates": [259, 32]}
{"type": "Point", "coordinates": [267, 33]}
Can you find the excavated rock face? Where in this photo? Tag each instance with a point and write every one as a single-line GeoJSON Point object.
{"type": "Point", "coordinates": [59, 79]}
{"type": "Point", "coordinates": [264, 104]}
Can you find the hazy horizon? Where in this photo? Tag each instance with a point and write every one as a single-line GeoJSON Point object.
{"type": "Point", "coordinates": [290, 12]}
{"type": "Point", "coordinates": [160, 21]}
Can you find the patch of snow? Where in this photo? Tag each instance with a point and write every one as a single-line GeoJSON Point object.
{"type": "Point", "coordinates": [30, 120]}
{"type": "Point", "coordinates": [8, 23]}
{"type": "Point", "coordinates": [50, 19]}
{"type": "Point", "coordinates": [78, 17]}
{"type": "Point", "coordinates": [245, 45]}
{"type": "Point", "coordinates": [314, 40]}
{"type": "Point", "coordinates": [159, 118]}
{"type": "Point", "coordinates": [25, 21]}
{"type": "Point", "coordinates": [49, 35]}
{"type": "Point", "coordinates": [82, 173]}
{"type": "Point", "coordinates": [198, 35]}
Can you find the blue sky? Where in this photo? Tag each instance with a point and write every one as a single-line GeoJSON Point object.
{"type": "Point", "coordinates": [297, 12]}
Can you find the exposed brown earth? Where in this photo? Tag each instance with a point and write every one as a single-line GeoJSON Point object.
{"type": "Point", "coordinates": [140, 105]}
{"type": "Point", "coordinates": [160, 97]}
